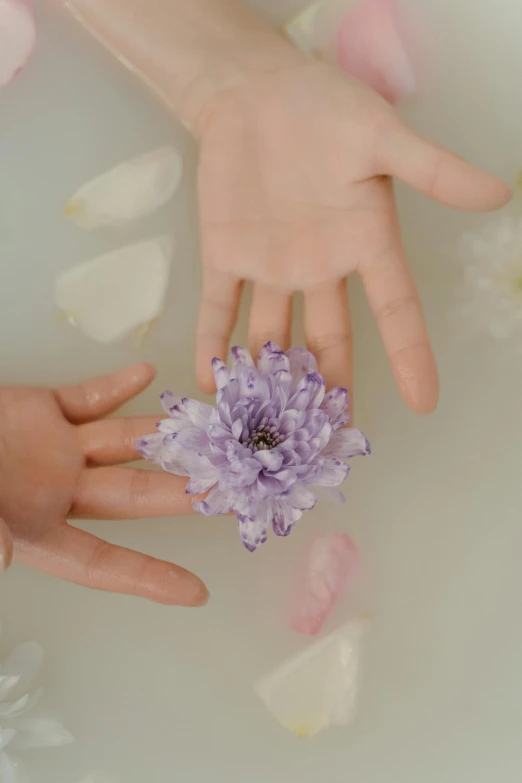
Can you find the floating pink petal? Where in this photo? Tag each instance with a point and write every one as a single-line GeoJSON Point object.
{"type": "Point", "coordinates": [329, 566]}
{"type": "Point", "coordinates": [372, 46]}
{"type": "Point", "coordinates": [17, 38]}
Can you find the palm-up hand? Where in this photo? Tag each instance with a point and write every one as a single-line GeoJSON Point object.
{"type": "Point", "coordinates": [57, 461]}
{"type": "Point", "coordinates": [295, 194]}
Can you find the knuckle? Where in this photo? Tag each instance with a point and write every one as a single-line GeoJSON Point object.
{"type": "Point", "coordinates": [98, 559]}
{"type": "Point", "coordinates": [139, 487]}
{"type": "Point", "coordinates": [393, 307]}
{"type": "Point", "coordinates": [320, 343]}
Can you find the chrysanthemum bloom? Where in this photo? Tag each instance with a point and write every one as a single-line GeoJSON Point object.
{"type": "Point", "coordinates": [274, 437]}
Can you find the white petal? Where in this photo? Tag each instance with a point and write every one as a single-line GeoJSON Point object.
{"type": "Point", "coordinates": [20, 668]}
{"type": "Point", "coordinates": [109, 296]}
{"type": "Point", "coordinates": [41, 733]}
{"type": "Point", "coordinates": [129, 191]}
{"type": "Point", "coordinates": [301, 28]}
{"type": "Point", "coordinates": [13, 709]}
{"type": "Point", "coordinates": [318, 688]}
{"type": "Point", "coordinates": [17, 38]}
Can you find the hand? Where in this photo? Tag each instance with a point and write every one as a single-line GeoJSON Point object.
{"type": "Point", "coordinates": [57, 458]}
{"type": "Point", "coordinates": [295, 195]}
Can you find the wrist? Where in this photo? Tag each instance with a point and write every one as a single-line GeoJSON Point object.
{"type": "Point", "coordinates": [242, 61]}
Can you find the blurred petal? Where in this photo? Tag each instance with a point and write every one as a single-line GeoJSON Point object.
{"type": "Point", "coordinates": [128, 191]}
{"type": "Point", "coordinates": [348, 443]}
{"type": "Point", "coordinates": [20, 669]}
{"type": "Point", "coordinates": [17, 38]}
{"type": "Point", "coordinates": [113, 294]}
{"type": "Point", "coordinates": [317, 688]}
{"type": "Point", "coordinates": [41, 733]}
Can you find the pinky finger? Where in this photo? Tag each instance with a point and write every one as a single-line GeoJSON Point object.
{"type": "Point", "coordinates": [79, 557]}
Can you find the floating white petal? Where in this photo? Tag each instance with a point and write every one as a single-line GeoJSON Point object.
{"type": "Point", "coordinates": [109, 296]}
{"type": "Point", "coordinates": [128, 191]}
{"type": "Point", "coordinates": [20, 669]}
{"type": "Point", "coordinates": [318, 688]}
{"type": "Point", "coordinates": [41, 733]}
{"type": "Point", "coordinates": [17, 38]}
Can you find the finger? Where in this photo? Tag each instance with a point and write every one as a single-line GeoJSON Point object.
{"type": "Point", "coordinates": [111, 441]}
{"type": "Point", "coordinates": [79, 557]}
{"type": "Point", "coordinates": [270, 318]}
{"type": "Point", "coordinates": [130, 493]}
{"type": "Point", "coordinates": [100, 396]}
{"type": "Point", "coordinates": [438, 173]}
{"type": "Point", "coordinates": [217, 318]}
{"type": "Point", "coordinates": [6, 546]}
{"type": "Point", "coordinates": [398, 311]}
{"type": "Point", "coordinates": [329, 333]}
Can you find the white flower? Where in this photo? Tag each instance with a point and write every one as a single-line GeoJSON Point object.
{"type": "Point", "coordinates": [317, 688]}
{"type": "Point", "coordinates": [127, 192]}
{"type": "Point", "coordinates": [491, 290]}
{"type": "Point", "coordinates": [18, 732]}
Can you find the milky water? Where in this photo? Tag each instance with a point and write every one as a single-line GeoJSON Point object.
{"type": "Point", "coordinates": [162, 694]}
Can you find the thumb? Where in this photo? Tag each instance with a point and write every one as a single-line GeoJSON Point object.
{"type": "Point", "coordinates": [438, 173]}
{"type": "Point", "coordinates": [6, 546]}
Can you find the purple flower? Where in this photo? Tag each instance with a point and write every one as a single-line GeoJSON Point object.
{"type": "Point", "coordinates": [274, 436]}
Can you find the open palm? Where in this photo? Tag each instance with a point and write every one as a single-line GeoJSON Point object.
{"type": "Point", "coordinates": [295, 195]}
{"type": "Point", "coordinates": [59, 460]}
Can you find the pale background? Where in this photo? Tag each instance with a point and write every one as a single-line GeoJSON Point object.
{"type": "Point", "coordinates": [155, 694]}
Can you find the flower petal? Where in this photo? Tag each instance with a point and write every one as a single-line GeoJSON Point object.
{"type": "Point", "coordinates": [12, 709]}
{"type": "Point", "coordinates": [332, 474]}
{"type": "Point", "coordinates": [302, 362]}
{"type": "Point", "coordinates": [335, 402]}
{"type": "Point", "coordinates": [330, 564]}
{"type": "Point", "coordinates": [20, 669]}
{"type": "Point", "coordinates": [199, 413]}
{"type": "Point", "coordinates": [253, 531]}
{"type": "Point", "coordinates": [300, 496]}
{"type": "Point", "coordinates": [193, 439]}
{"type": "Point", "coordinates": [221, 373]}
{"type": "Point", "coordinates": [128, 191]}
{"type": "Point", "coordinates": [317, 688]}
{"type": "Point", "coordinates": [41, 733]}
{"type": "Point", "coordinates": [271, 359]}
{"type": "Point", "coordinates": [270, 460]}
{"type": "Point", "coordinates": [173, 405]}
{"type": "Point", "coordinates": [242, 356]}
{"type": "Point", "coordinates": [215, 504]}
{"type": "Point", "coordinates": [284, 518]}
{"type": "Point", "coordinates": [197, 486]}
{"type": "Point", "coordinates": [309, 393]}
{"type": "Point", "coordinates": [347, 443]}
{"type": "Point", "coordinates": [113, 294]}
{"type": "Point", "coordinates": [17, 38]}
{"type": "Point", "coordinates": [333, 494]}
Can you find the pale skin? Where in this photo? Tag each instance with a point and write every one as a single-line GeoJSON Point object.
{"type": "Point", "coordinates": [296, 194]}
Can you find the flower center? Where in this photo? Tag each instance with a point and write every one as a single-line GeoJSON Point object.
{"type": "Point", "coordinates": [264, 438]}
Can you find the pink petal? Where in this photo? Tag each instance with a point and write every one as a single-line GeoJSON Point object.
{"type": "Point", "coordinates": [371, 46]}
{"type": "Point", "coordinates": [17, 38]}
{"type": "Point", "coordinates": [329, 566]}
